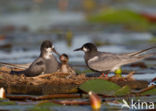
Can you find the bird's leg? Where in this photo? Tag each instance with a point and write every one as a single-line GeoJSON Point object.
{"type": "Point", "coordinates": [104, 74]}
{"type": "Point", "coordinates": [118, 72]}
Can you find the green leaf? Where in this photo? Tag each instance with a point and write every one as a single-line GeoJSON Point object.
{"type": "Point", "coordinates": [100, 86]}
{"type": "Point", "coordinates": [39, 109]}
{"type": "Point", "coordinates": [125, 90]}
{"type": "Point", "coordinates": [45, 106]}
{"type": "Point", "coordinates": [7, 103]}
{"type": "Point", "coordinates": [150, 92]}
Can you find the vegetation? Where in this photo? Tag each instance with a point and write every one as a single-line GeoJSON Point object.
{"type": "Point", "coordinates": [116, 16]}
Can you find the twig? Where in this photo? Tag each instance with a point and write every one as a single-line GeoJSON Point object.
{"type": "Point", "coordinates": [146, 89]}
{"type": "Point", "coordinates": [33, 98]}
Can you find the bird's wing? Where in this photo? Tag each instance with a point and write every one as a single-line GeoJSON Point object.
{"type": "Point", "coordinates": [36, 68]}
{"type": "Point", "coordinates": [103, 62]}
{"type": "Point", "coordinates": [127, 59]}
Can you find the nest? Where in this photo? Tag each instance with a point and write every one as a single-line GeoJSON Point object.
{"type": "Point", "coordinates": [55, 83]}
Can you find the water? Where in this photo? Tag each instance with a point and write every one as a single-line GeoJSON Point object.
{"type": "Point", "coordinates": [36, 20]}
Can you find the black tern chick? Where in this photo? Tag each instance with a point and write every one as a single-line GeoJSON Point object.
{"type": "Point", "coordinates": [45, 63]}
{"type": "Point", "coordinates": [65, 67]}
{"type": "Point", "coordinates": [106, 62]}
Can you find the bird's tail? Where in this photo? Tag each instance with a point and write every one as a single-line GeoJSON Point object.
{"type": "Point", "coordinates": [140, 57]}
{"type": "Point", "coordinates": [137, 58]}
{"type": "Point", "coordinates": [140, 52]}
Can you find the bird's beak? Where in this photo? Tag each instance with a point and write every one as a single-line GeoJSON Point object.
{"type": "Point", "coordinates": [79, 49]}
{"type": "Point", "coordinates": [53, 49]}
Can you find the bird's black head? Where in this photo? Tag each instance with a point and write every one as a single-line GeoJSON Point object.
{"type": "Point", "coordinates": [48, 47]}
{"type": "Point", "coordinates": [46, 44]}
{"type": "Point", "coordinates": [88, 47]}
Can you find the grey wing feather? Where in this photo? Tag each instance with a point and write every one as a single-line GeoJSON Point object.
{"type": "Point", "coordinates": [140, 52]}
{"type": "Point", "coordinates": [132, 59]}
{"type": "Point", "coordinates": [36, 68]}
{"type": "Point", "coordinates": [105, 62]}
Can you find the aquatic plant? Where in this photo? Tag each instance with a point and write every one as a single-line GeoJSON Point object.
{"type": "Point", "coordinates": [104, 87]}
{"type": "Point", "coordinates": [120, 16]}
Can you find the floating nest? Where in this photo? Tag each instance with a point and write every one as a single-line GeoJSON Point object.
{"type": "Point", "coordinates": [56, 83]}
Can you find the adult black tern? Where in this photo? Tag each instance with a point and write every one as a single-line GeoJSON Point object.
{"type": "Point", "coordinates": [106, 62]}
{"type": "Point", "coordinates": [45, 63]}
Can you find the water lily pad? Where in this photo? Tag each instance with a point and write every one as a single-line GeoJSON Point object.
{"type": "Point", "coordinates": [150, 92]}
{"type": "Point", "coordinates": [39, 109]}
{"type": "Point", "coordinates": [43, 106]}
{"type": "Point", "coordinates": [5, 103]}
{"type": "Point", "coordinates": [46, 104]}
{"type": "Point", "coordinates": [100, 86]}
{"type": "Point", "coordinates": [125, 90]}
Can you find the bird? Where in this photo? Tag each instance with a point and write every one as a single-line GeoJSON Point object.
{"type": "Point", "coordinates": [65, 67]}
{"type": "Point", "coordinates": [45, 63]}
{"type": "Point", "coordinates": [105, 62]}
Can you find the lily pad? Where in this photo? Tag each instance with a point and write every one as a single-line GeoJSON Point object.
{"type": "Point", "coordinates": [125, 90]}
{"type": "Point", "coordinates": [43, 106]}
{"type": "Point", "coordinates": [100, 86]}
{"type": "Point", "coordinates": [150, 92]}
{"type": "Point", "coordinates": [39, 109]}
{"type": "Point", "coordinates": [46, 104]}
{"type": "Point", "coordinates": [5, 103]}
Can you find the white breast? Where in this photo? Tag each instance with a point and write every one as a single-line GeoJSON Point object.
{"type": "Point", "coordinates": [93, 59]}
{"type": "Point", "coordinates": [47, 55]}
